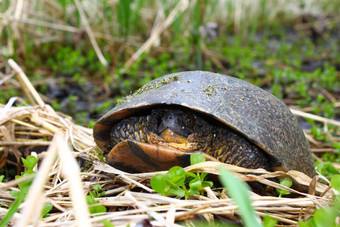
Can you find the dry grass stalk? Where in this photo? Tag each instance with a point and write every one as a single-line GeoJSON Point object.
{"type": "Point", "coordinates": [71, 170]}
{"type": "Point", "coordinates": [27, 86]}
{"type": "Point", "coordinates": [180, 7]}
{"type": "Point", "coordinates": [90, 33]}
{"type": "Point", "coordinates": [128, 197]}
{"type": "Point", "coordinates": [35, 196]}
{"type": "Point", "coordinates": [315, 117]}
{"type": "Point", "coordinates": [62, 27]}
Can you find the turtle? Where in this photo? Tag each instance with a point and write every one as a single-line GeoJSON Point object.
{"type": "Point", "coordinates": [222, 117]}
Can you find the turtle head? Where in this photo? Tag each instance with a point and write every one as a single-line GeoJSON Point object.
{"type": "Point", "coordinates": [179, 124]}
{"type": "Point", "coordinates": [177, 121]}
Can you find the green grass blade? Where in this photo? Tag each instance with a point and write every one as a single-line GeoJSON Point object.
{"type": "Point", "coordinates": [196, 33]}
{"type": "Point", "coordinates": [11, 211]}
{"type": "Point", "coordinates": [123, 16]}
{"type": "Point", "coordinates": [239, 192]}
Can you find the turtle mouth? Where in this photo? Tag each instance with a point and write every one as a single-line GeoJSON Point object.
{"type": "Point", "coordinates": [172, 140]}
{"type": "Point", "coordinates": [174, 120]}
{"type": "Point", "coordinates": [170, 136]}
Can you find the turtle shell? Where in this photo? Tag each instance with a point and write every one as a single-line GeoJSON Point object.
{"type": "Point", "coordinates": [256, 114]}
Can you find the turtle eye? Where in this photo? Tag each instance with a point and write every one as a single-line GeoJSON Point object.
{"type": "Point", "coordinates": [189, 120]}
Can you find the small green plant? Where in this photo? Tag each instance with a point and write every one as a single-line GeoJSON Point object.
{"type": "Point", "coordinates": [326, 217]}
{"type": "Point", "coordinates": [67, 61]}
{"type": "Point", "coordinates": [73, 101]}
{"type": "Point", "coordinates": [178, 182]}
{"type": "Point", "coordinates": [79, 79]}
{"type": "Point", "coordinates": [319, 133]}
{"type": "Point", "coordinates": [56, 105]}
{"type": "Point", "coordinates": [19, 198]}
{"type": "Point", "coordinates": [269, 221]}
{"type": "Point", "coordinates": [95, 193]}
{"type": "Point", "coordinates": [24, 186]}
{"type": "Point", "coordinates": [285, 182]}
{"type": "Point", "coordinates": [123, 16]}
{"type": "Point", "coordinates": [46, 209]}
{"type": "Point", "coordinates": [29, 163]}
{"type": "Point", "coordinates": [326, 169]}
{"type": "Point", "coordinates": [107, 223]}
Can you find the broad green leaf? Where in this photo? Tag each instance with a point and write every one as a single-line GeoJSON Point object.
{"type": "Point", "coordinates": [96, 187]}
{"type": "Point", "coordinates": [207, 184]}
{"type": "Point", "coordinates": [25, 162]}
{"type": "Point", "coordinates": [203, 176]}
{"type": "Point", "coordinates": [90, 200]}
{"type": "Point", "coordinates": [28, 172]}
{"type": "Point", "coordinates": [158, 183]}
{"type": "Point", "coordinates": [195, 184]}
{"type": "Point", "coordinates": [335, 182]}
{"type": "Point", "coordinates": [29, 162]}
{"type": "Point", "coordinates": [107, 223]}
{"type": "Point", "coordinates": [269, 221]}
{"type": "Point", "coordinates": [305, 224]}
{"type": "Point", "coordinates": [325, 217]}
{"type": "Point", "coordinates": [239, 192]}
{"type": "Point", "coordinates": [177, 192]}
{"type": "Point", "coordinates": [47, 208]}
{"type": "Point", "coordinates": [196, 158]}
{"type": "Point", "coordinates": [285, 182]}
{"type": "Point", "coordinates": [193, 192]}
{"type": "Point", "coordinates": [97, 209]}
{"type": "Point", "coordinates": [92, 193]}
{"type": "Point", "coordinates": [190, 174]}
{"type": "Point", "coordinates": [94, 209]}
{"type": "Point", "coordinates": [176, 175]}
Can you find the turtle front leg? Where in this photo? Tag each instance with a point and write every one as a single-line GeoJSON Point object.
{"type": "Point", "coordinates": [135, 128]}
{"type": "Point", "coordinates": [231, 148]}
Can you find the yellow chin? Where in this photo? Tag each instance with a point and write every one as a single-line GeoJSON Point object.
{"type": "Point", "coordinates": [172, 137]}
{"type": "Point", "coordinates": [172, 140]}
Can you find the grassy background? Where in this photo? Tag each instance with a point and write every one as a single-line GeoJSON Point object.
{"type": "Point", "coordinates": [288, 47]}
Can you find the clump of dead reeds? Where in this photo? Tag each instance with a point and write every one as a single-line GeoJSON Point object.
{"type": "Point", "coordinates": [69, 168]}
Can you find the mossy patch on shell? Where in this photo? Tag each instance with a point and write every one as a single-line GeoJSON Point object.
{"type": "Point", "coordinates": [148, 87]}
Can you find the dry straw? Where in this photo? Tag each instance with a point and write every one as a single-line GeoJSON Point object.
{"type": "Point", "coordinates": [69, 168]}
